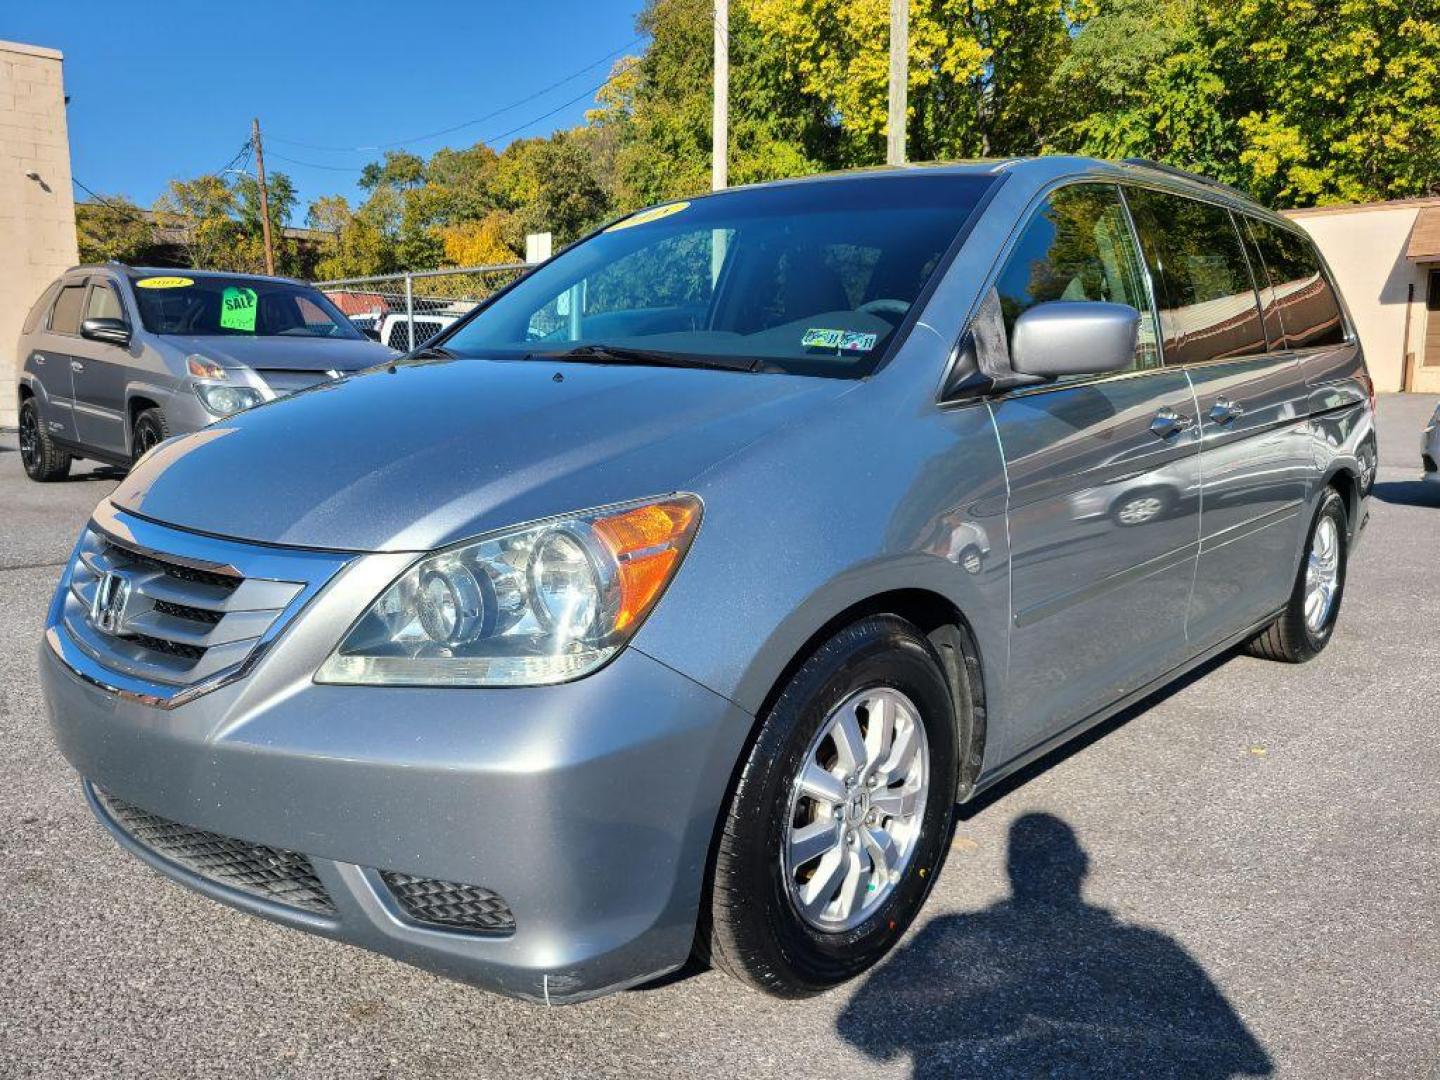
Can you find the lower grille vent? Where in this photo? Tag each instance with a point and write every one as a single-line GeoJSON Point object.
{"type": "Point", "coordinates": [285, 877]}
{"type": "Point", "coordinates": [450, 904]}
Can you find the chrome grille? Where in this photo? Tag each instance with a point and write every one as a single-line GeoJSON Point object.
{"type": "Point", "coordinates": [287, 877]}
{"type": "Point", "coordinates": [175, 612]}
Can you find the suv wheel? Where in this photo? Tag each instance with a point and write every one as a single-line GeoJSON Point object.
{"type": "Point", "coordinates": [1305, 626]}
{"type": "Point", "coordinates": [840, 818]}
{"type": "Point", "coordinates": [43, 460]}
{"type": "Point", "coordinates": [150, 428]}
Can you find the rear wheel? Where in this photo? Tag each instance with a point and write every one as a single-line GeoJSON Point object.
{"type": "Point", "coordinates": [840, 819]}
{"type": "Point", "coordinates": [150, 428]}
{"type": "Point", "coordinates": [43, 460]}
{"type": "Point", "coordinates": [1305, 626]}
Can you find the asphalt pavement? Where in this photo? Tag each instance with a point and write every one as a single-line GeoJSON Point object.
{"type": "Point", "coordinates": [1241, 877]}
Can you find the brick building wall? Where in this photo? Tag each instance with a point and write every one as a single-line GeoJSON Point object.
{"type": "Point", "coordinates": [37, 217]}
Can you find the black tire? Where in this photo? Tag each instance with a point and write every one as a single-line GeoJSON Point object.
{"type": "Point", "coordinates": [43, 460]}
{"type": "Point", "coordinates": [150, 428]}
{"type": "Point", "coordinates": [749, 927]}
{"type": "Point", "coordinates": [1289, 638]}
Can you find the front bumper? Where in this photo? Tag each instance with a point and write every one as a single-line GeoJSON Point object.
{"type": "Point", "coordinates": [588, 807]}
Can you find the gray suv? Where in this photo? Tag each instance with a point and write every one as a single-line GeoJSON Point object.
{"type": "Point", "coordinates": [113, 359]}
{"type": "Point", "coordinates": [672, 601]}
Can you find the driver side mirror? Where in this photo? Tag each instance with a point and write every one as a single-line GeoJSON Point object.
{"type": "Point", "coordinates": [1074, 337]}
{"type": "Point", "coordinates": [110, 331]}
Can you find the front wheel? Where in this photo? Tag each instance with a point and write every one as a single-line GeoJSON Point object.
{"type": "Point", "coordinates": [150, 429]}
{"type": "Point", "coordinates": [1305, 626]}
{"type": "Point", "coordinates": [840, 818]}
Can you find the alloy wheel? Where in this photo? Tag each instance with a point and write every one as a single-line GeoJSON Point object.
{"type": "Point", "coordinates": [856, 810]}
{"type": "Point", "coordinates": [29, 438]}
{"type": "Point", "coordinates": [1322, 574]}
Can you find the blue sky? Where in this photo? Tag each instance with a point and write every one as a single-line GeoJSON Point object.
{"type": "Point", "coordinates": [167, 90]}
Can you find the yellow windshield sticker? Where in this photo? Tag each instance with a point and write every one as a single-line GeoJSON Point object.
{"type": "Point", "coordinates": [237, 309]}
{"type": "Point", "coordinates": [644, 217]}
{"type": "Point", "coordinates": [164, 282]}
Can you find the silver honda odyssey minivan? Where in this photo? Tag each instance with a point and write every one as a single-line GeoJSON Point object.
{"type": "Point", "coordinates": [671, 602]}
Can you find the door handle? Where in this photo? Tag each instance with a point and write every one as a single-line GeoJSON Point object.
{"type": "Point", "coordinates": [76, 365]}
{"type": "Point", "coordinates": [1224, 411]}
{"type": "Point", "coordinates": [1168, 422]}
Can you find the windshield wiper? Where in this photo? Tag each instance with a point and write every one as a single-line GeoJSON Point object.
{"type": "Point", "coordinates": [431, 352]}
{"type": "Point", "coordinates": [615, 354]}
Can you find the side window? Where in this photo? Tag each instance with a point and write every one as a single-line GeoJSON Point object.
{"type": "Point", "coordinates": [104, 304]}
{"type": "Point", "coordinates": [1309, 311]}
{"type": "Point", "coordinates": [1269, 310]}
{"type": "Point", "coordinates": [65, 319]}
{"type": "Point", "coordinates": [1078, 246]}
{"type": "Point", "coordinates": [1208, 306]}
{"type": "Point", "coordinates": [37, 312]}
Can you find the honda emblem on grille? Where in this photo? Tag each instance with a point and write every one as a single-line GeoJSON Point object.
{"type": "Point", "coordinates": [112, 595]}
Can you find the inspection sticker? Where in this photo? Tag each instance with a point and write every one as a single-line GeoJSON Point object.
{"type": "Point", "coordinates": [237, 309]}
{"type": "Point", "coordinates": [644, 217]}
{"type": "Point", "coordinates": [844, 340]}
{"type": "Point", "coordinates": [164, 283]}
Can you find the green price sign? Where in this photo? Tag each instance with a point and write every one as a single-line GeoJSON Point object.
{"type": "Point", "coordinates": [237, 309]}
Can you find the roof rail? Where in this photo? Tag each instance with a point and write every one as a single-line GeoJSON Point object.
{"type": "Point", "coordinates": [1186, 174]}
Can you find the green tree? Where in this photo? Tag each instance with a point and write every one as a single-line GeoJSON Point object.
{"type": "Point", "coordinates": [360, 243]}
{"type": "Point", "coordinates": [114, 228]}
{"type": "Point", "coordinates": [201, 214]}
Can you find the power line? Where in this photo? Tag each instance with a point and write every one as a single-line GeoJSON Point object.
{"type": "Point", "coordinates": [492, 139]}
{"type": "Point", "coordinates": [122, 211]}
{"type": "Point", "coordinates": [457, 127]}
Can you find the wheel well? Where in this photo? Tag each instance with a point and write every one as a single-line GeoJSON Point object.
{"type": "Point", "coordinates": [137, 406]}
{"type": "Point", "coordinates": [1347, 486]}
{"type": "Point", "coordinates": [25, 393]}
{"type": "Point", "coordinates": [940, 621]}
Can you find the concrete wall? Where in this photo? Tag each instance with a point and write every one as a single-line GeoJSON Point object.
{"type": "Point", "coordinates": [37, 218]}
{"type": "Point", "coordinates": [1365, 247]}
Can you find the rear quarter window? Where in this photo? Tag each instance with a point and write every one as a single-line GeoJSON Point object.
{"type": "Point", "coordinates": [40, 307]}
{"type": "Point", "coordinates": [1304, 298]}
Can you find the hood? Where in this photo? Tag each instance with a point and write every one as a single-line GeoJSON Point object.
{"type": "Point", "coordinates": [427, 453]}
{"type": "Point", "coordinates": [287, 353]}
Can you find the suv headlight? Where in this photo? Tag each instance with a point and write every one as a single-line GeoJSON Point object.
{"type": "Point", "coordinates": [223, 399]}
{"type": "Point", "coordinates": [537, 604]}
{"type": "Point", "coordinates": [213, 386]}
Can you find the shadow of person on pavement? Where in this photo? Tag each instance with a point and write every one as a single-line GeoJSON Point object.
{"type": "Point", "coordinates": [1044, 984]}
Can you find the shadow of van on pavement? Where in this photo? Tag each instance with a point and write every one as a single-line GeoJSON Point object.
{"type": "Point", "coordinates": [1044, 984]}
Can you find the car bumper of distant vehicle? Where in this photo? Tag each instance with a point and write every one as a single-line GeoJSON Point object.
{"type": "Point", "coordinates": [1430, 449]}
{"type": "Point", "coordinates": [585, 811]}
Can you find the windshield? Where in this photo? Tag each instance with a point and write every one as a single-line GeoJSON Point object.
{"type": "Point", "coordinates": [809, 278]}
{"type": "Point", "coordinates": [213, 306]}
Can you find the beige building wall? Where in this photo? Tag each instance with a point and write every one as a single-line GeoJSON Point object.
{"type": "Point", "coordinates": [1365, 247]}
{"type": "Point", "coordinates": [37, 217]}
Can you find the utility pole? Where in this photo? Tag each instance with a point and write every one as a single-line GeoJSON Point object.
{"type": "Point", "coordinates": [264, 197]}
{"type": "Point", "coordinates": [720, 123]}
{"type": "Point", "coordinates": [899, 81]}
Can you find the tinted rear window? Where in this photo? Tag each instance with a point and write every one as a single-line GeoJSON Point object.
{"type": "Point", "coordinates": [1308, 309]}
{"type": "Point", "coordinates": [1208, 307]}
{"type": "Point", "coordinates": [65, 319]}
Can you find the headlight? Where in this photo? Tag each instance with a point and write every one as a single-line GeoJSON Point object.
{"type": "Point", "coordinates": [537, 604]}
{"type": "Point", "coordinates": [222, 399]}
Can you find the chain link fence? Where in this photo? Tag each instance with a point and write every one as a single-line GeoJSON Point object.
{"type": "Point", "coordinates": [406, 310]}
